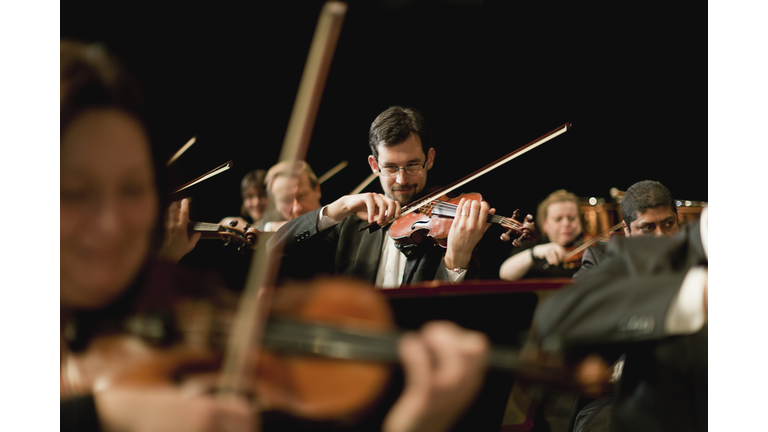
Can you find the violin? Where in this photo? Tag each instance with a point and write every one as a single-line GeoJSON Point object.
{"type": "Point", "coordinates": [433, 221]}
{"type": "Point", "coordinates": [170, 336]}
{"type": "Point", "coordinates": [574, 254]}
{"type": "Point", "coordinates": [242, 238]}
{"type": "Point", "coordinates": [272, 325]}
{"type": "Point", "coordinates": [417, 228]}
{"type": "Point", "coordinates": [326, 351]}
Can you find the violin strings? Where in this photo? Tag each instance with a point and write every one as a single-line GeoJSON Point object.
{"type": "Point", "coordinates": [449, 209]}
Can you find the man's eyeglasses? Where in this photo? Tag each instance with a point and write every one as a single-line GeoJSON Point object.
{"type": "Point", "coordinates": [392, 171]}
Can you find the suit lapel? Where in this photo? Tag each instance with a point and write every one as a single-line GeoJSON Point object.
{"type": "Point", "coordinates": [369, 253]}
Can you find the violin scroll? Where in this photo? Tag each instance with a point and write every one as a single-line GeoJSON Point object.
{"type": "Point", "coordinates": [525, 230]}
{"type": "Point", "coordinates": [245, 237]}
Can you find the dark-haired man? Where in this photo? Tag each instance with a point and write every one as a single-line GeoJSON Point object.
{"type": "Point", "coordinates": [648, 209]}
{"type": "Point", "coordinates": [648, 301]}
{"type": "Point", "coordinates": [330, 240]}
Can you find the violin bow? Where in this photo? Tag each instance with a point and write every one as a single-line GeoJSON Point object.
{"type": "Point", "coordinates": [410, 208]}
{"type": "Point", "coordinates": [592, 241]}
{"type": "Point", "coordinates": [331, 172]}
{"type": "Point", "coordinates": [216, 171]}
{"type": "Point", "coordinates": [181, 151]}
{"type": "Point", "coordinates": [251, 316]}
{"type": "Point", "coordinates": [362, 185]}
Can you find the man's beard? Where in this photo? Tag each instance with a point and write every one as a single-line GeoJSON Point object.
{"type": "Point", "coordinates": [403, 199]}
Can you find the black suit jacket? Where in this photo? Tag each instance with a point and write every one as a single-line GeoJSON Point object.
{"type": "Point", "coordinates": [345, 250]}
{"type": "Point", "coordinates": [620, 307]}
{"type": "Point", "coordinates": [590, 259]}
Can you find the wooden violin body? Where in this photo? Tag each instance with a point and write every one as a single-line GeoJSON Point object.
{"type": "Point", "coordinates": [325, 354]}
{"type": "Point", "coordinates": [312, 363]}
{"type": "Point", "coordinates": [574, 253]}
{"type": "Point", "coordinates": [433, 221]}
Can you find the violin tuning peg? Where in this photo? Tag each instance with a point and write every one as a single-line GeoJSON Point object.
{"type": "Point", "coordinates": [227, 241]}
{"type": "Point", "coordinates": [233, 223]}
{"type": "Point", "coordinates": [515, 213]}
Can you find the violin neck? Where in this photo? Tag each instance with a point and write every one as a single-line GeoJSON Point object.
{"type": "Point", "coordinates": [335, 342]}
{"type": "Point", "coordinates": [207, 229]}
{"type": "Point", "coordinates": [447, 209]}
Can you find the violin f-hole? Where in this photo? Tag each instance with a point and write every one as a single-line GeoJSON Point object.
{"type": "Point", "coordinates": [420, 222]}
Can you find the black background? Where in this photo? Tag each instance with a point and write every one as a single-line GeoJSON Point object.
{"type": "Point", "coordinates": [490, 76]}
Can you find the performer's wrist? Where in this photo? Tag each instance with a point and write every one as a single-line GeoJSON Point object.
{"type": "Point", "coordinates": [453, 261]}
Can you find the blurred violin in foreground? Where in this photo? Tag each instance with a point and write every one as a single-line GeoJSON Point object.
{"type": "Point", "coordinates": [325, 353]}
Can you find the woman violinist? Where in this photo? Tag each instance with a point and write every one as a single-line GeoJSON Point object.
{"type": "Point", "coordinates": [558, 219]}
{"type": "Point", "coordinates": [110, 205]}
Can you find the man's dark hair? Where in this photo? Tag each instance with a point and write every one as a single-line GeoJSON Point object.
{"type": "Point", "coordinates": [644, 195]}
{"type": "Point", "coordinates": [395, 125]}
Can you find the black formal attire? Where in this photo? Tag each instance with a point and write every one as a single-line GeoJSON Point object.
{"type": "Point", "coordinates": [621, 307]}
{"type": "Point", "coordinates": [591, 258]}
{"type": "Point", "coordinates": [345, 250]}
{"type": "Point", "coordinates": [79, 414]}
{"type": "Point", "coordinates": [540, 267]}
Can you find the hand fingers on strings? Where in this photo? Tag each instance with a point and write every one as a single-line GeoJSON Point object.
{"type": "Point", "coordinates": [485, 210]}
{"type": "Point", "coordinates": [456, 351]}
{"type": "Point", "coordinates": [462, 211]}
{"type": "Point", "coordinates": [473, 210]}
{"type": "Point", "coordinates": [417, 361]}
{"type": "Point", "coordinates": [184, 211]}
{"type": "Point", "coordinates": [417, 366]}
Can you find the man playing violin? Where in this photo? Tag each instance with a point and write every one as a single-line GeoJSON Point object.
{"type": "Point", "coordinates": [331, 237]}
{"type": "Point", "coordinates": [293, 191]}
{"type": "Point", "coordinates": [648, 209]}
{"type": "Point", "coordinates": [110, 206]}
